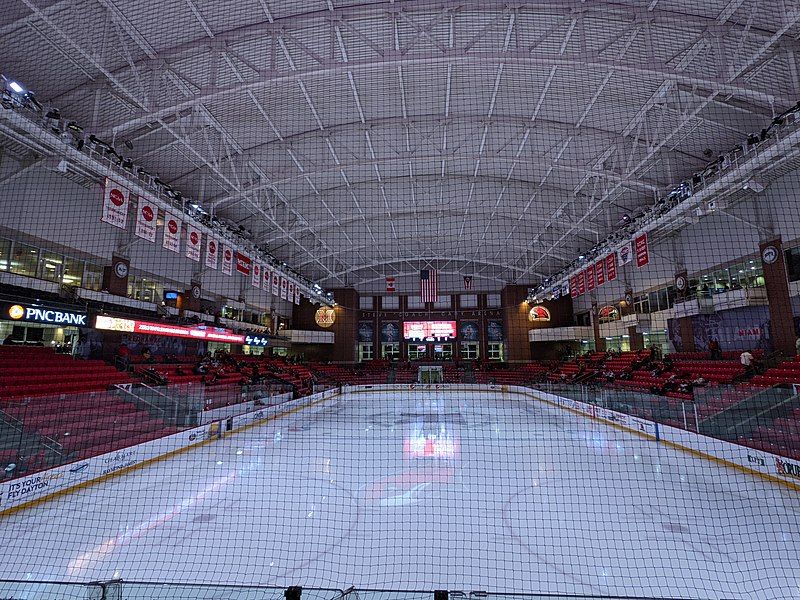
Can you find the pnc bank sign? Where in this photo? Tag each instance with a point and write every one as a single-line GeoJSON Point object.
{"type": "Point", "coordinates": [40, 314]}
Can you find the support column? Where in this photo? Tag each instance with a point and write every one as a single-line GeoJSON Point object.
{"type": "Point", "coordinates": [778, 298]}
{"type": "Point", "coordinates": [635, 338]}
{"type": "Point", "coordinates": [599, 340]}
{"type": "Point", "coordinates": [515, 322]}
{"type": "Point", "coordinates": [686, 331]}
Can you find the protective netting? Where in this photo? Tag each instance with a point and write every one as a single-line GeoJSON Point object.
{"type": "Point", "coordinates": [211, 210]}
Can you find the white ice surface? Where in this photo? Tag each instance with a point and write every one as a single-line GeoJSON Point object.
{"type": "Point", "coordinates": [461, 491]}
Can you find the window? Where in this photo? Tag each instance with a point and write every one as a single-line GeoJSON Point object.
{"type": "Point", "coordinates": [583, 319]}
{"type": "Point", "coordinates": [390, 302]}
{"type": "Point", "coordinates": [93, 277]}
{"type": "Point", "coordinates": [415, 302]}
{"type": "Point", "coordinates": [469, 350]}
{"type": "Point", "coordinates": [641, 304]}
{"type": "Point", "coordinates": [5, 254]}
{"type": "Point", "coordinates": [365, 302]}
{"type": "Point", "coordinates": [417, 352]}
{"type": "Point", "coordinates": [493, 300]}
{"type": "Point", "coordinates": [50, 266]}
{"type": "Point", "coordinates": [793, 263]}
{"type": "Point", "coordinates": [25, 260]}
{"type": "Point", "coordinates": [73, 271]}
{"type": "Point", "coordinates": [495, 351]}
{"type": "Point", "coordinates": [468, 301]}
{"type": "Point", "coordinates": [442, 302]}
{"type": "Point", "coordinates": [365, 352]}
{"type": "Point", "coordinates": [390, 351]}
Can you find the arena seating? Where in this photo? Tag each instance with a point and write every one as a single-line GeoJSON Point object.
{"type": "Point", "coordinates": [785, 373]}
{"type": "Point", "coordinates": [88, 424]}
{"type": "Point", "coordinates": [717, 371]}
{"type": "Point", "coordinates": [31, 372]}
{"type": "Point", "coordinates": [523, 374]}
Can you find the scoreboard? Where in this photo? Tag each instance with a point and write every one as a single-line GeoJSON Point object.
{"type": "Point", "coordinates": [429, 331]}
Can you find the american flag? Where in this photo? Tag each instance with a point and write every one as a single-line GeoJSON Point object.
{"type": "Point", "coordinates": [428, 285]}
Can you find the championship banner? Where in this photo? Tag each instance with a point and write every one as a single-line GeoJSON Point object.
{"type": "Point", "coordinates": [611, 267]}
{"type": "Point", "coordinates": [625, 254]}
{"type": "Point", "coordinates": [255, 280]}
{"type": "Point", "coordinates": [297, 294]}
{"type": "Point", "coordinates": [212, 253]}
{"type": "Point", "coordinates": [565, 289]}
{"type": "Point", "coordinates": [172, 232]}
{"type": "Point", "coordinates": [115, 204]}
{"type": "Point", "coordinates": [243, 263]}
{"type": "Point", "coordinates": [390, 285]}
{"type": "Point", "coordinates": [642, 252]}
{"type": "Point", "coordinates": [146, 220]}
{"type": "Point", "coordinates": [265, 278]}
{"type": "Point", "coordinates": [600, 272]}
{"type": "Point", "coordinates": [573, 286]}
{"type": "Point", "coordinates": [284, 288]}
{"type": "Point", "coordinates": [581, 283]}
{"type": "Point", "coordinates": [290, 292]}
{"type": "Point", "coordinates": [276, 284]}
{"type": "Point", "coordinates": [227, 260]}
{"type": "Point", "coordinates": [590, 278]}
{"type": "Point", "coordinates": [193, 240]}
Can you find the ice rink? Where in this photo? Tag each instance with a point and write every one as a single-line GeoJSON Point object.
{"type": "Point", "coordinates": [426, 491]}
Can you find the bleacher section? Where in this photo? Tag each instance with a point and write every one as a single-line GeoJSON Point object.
{"type": "Point", "coordinates": [786, 373]}
{"type": "Point", "coordinates": [89, 424]}
{"type": "Point", "coordinates": [36, 371]}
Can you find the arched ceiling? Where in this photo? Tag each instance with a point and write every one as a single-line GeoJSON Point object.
{"type": "Point", "coordinates": [358, 140]}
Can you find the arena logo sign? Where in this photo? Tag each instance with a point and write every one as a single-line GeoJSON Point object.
{"type": "Point", "coordinates": [37, 314]}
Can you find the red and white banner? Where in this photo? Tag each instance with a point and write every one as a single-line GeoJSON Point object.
{"type": "Point", "coordinates": [641, 250]}
{"type": "Point", "coordinates": [193, 241]}
{"type": "Point", "coordinates": [581, 283]}
{"type": "Point", "coordinates": [212, 334]}
{"type": "Point", "coordinates": [390, 285]}
{"type": "Point", "coordinates": [625, 254]}
{"type": "Point", "coordinates": [290, 292]}
{"type": "Point", "coordinates": [297, 294]}
{"type": "Point", "coordinates": [255, 280]}
{"type": "Point", "coordinates": [611, 267]}
{"type": "Point", "coordinates": [590, 278]}
{"type": "Point", "coordinates": [115, 204]}
{"type": "Point", "coordinates": [243, 263]}
{"type": "Point", "coordinates": [284, 288]}
{"type": "Point", "coordinates": [600, 272]}
{"type": "Point", "coordinates": [172, 232]}
{"type": "Point", "coordinates": [212, 253]}
{"type": "Point", "coordinates": [265, 278]}
{"type": "Point", "coordinates": [573, 286]}
{"type": "Point", "coordinates": [227, 260]}
{"type": "Point", "coordinates": [146, 219]}
{"type": "Point", "coordinates": [276, 284]}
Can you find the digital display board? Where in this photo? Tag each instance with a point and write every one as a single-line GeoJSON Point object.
{"type": "Point", "coordinates": [429, 331]}
{"type": "Point", "coordinates": [209, 334]}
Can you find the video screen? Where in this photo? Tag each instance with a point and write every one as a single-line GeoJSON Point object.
{"type": "Point", "coordinates": [429, 331]}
